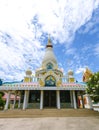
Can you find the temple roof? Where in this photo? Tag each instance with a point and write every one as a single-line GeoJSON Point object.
{"type": "Point", "coordinates": [36, 86]}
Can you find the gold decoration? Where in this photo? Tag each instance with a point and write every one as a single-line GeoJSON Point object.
{"type": "Point", "coordinates": [43, 73]}
{"type": "Point", "coordinates": [87, 74]}
{"type": "Point", "coordinates": [71, 80]}
{"type": "Point", "coordinates": [50, 72]}
{"type": "Point", "coordinates": [26, 79]}
{"type": "Point", "coordinates": [59, 82]}
{"type": "Point", "coordinates": [41, 82]}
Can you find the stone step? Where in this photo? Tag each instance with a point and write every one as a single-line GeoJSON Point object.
{"type": "Point", "coordinates": [30, 113]}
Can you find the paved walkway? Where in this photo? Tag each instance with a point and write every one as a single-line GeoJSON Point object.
{"type": "Point", "coordinates": [49, 119]}
{"type": "Point", "coordinates": [50, 123]}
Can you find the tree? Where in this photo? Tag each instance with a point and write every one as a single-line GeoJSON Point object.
{"type": "Point", "coordinates": [2, 103]}
{"type": "Point", "coordinates": [0, 82]}
{"type": "Point", "coordinates": [2, 93]}
{"type": "Point", "coordinates": [93, 87]}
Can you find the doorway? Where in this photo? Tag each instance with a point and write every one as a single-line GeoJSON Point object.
{"type": "Point", "coordinates": [50, 99]}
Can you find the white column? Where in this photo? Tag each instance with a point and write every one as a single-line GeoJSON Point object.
{"type": "Point", "coordinates": [25, 100]}
{"type": "Point", "coordinates": [15, 96]}
{"type": "Point", "coordinates": [19, 103]}
{"type": "Point", "coordinates": [7, 101]}
{"type": "Point", "coordinates": [58, 99]}
{"type": "Point", "coordinates": [74, 99]}
{"type": "Point", "coordinates": [71, 98]}
{"type": "Point", "coordinates": [41, 99]}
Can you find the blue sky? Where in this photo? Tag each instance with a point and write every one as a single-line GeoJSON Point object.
{"type": "Point", "coordinates": [73, 26]}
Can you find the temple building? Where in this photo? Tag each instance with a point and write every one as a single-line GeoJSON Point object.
{"type": "Point", "coordinates": [48, 88]}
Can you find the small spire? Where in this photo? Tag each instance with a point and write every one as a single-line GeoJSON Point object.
{"type": "Point", "coordinates": [49, 44]}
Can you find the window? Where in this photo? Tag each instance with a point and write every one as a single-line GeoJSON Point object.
{"type": "Point", "coordinates": [34, 96]}
{"type": "Point", "coordinates": [49, 66]}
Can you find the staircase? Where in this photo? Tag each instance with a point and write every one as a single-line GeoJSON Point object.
{"type": "Point", "coordinates": [37, 113]}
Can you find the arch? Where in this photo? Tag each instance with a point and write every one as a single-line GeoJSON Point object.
{"type": "Point", "coordinates": [50, 81]}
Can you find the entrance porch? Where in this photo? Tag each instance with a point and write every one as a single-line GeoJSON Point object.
{"type": "Point", "coordinates": [48, 99]}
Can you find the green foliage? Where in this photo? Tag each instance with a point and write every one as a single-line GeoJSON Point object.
{"type": "Point", "coordinates": [2, 102]}
{"type": "Point", "coordinates": [16, 105]}
{"type": "Point", "coordinates": [0, 82]}
{"type": "Point", "coordinates": [93, 87]}
{"type": "Point", "coordinates": [2, 93]}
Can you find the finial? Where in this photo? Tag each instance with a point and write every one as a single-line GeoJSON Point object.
{"type": "Point", "coordinates": [49, 44]}
{"type": "Point", "coordinates": [49, 40]}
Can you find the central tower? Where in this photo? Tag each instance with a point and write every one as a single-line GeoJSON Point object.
{"type": "Point", "coordinates": [49, 74]}
{"type": "Point", "coordinates": [49, 59]}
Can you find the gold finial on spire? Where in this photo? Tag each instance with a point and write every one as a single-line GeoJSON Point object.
{"type": "Point", "coordinates": [49, 44]}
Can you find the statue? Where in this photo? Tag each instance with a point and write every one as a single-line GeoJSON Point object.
{"type": "Point", "coordinates": [87, 74]}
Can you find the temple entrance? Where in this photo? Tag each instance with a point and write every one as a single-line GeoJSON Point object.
{"type": "Point", "coordinates": [49, 99]}
{"type": "Point", "coordinates": [65, 99]}
{"type": "Point", "coordinates": [34, 99]}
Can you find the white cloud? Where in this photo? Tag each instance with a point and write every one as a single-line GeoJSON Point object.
{"type": "Point", "coordinates": [96, 49]}
{"type": "Point", "coordinates": [58, 18]}
{"type": "Point", "coordinates": [80, 70]}
{"type": "Point", "coordinates": [65, 17]}
{"type": "Point", "coordinates": [70, 51]}
{"type": "Point", "coordinates": [21, 35]}
{"type": "Point", "coordinates": [90, 27]}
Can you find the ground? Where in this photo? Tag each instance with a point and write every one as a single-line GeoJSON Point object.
{"type": "Point", "coordinates": [65, 119]}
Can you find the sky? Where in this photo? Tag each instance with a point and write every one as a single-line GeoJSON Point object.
{"type": "Point", "coordinates": [73, 26]}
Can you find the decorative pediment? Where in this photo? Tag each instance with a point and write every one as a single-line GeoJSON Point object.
{"type": "Point", "coordinates": [50, 78]}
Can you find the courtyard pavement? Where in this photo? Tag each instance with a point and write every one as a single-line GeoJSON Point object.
{"type": "Point", "coordinates": [49, 119]}
{"type": "Point", "coordinates": [50, 123]}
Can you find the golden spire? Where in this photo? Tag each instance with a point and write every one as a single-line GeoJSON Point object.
{"type": "Point", "coordinates": [49, 44]}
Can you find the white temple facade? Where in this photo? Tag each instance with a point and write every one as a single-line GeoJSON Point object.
{"type": "Point", "coordinates": [48, 88]}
